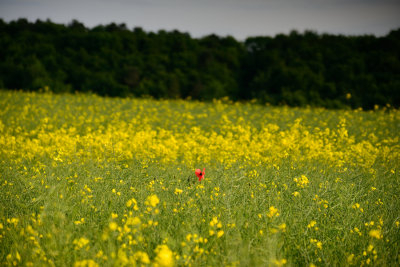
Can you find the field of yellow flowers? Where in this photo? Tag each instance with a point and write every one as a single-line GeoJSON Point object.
{"type": "Point", "coordinates": [91, 181]}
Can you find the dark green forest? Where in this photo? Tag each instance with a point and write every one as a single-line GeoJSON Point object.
{"type": "Point", "coordinates": [296, 69]}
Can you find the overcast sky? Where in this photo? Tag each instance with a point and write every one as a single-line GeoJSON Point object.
{"type": "Point", "coordinates": [239, 18]}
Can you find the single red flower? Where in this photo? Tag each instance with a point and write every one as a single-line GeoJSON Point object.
{"type": "Point", "coordinates": [200, 174]}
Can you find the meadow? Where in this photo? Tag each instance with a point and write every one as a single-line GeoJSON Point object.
{"type": "Point", "coordinates": [92, 181]}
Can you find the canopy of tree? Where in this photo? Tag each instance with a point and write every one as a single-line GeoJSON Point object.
{"type": "Point", "coordinates": [297, 69]}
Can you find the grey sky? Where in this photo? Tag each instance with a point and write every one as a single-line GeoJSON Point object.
{"type": "Point", "coordinates": [239, 18]}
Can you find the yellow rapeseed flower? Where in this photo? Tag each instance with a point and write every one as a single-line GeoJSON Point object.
{"type": "Point", "coordinates": [220, 233]}
{"type": "Point", "coordinates": [86, 263]}
{"type": "Point", "coordinates": [350, 258]}
{"type": "Point", "coordinates": [81, 242]}
{"type": "Point", "coordinates": [281, 262]}
{"type": "Point", "coordinates": [273, 212]}
{"type": "Point", "coordinates": [131, 202]}
{"type": "Point", "coordinates": [81, 221]}
{"type": "Point", "coordinates": [214, 221]}
{"type": "Point", "coordinates": [301, 181]}
{"type": "Point", "coordinates": [178, 191]}
{"type": "Point", "coordinates": [152, 201]}
{"type": "Point", "coordinates": [376, 233]}
{"type": "Point", "coordinates": [142, 257]}
{"type": "Point", "coordinates": [311, 224]}
{"type": "Point", "coordinates": [165, 257]}
{"type": "Point", "coordinates": [282, 227]}
{"type": "Point", "coordinates": [113, 226]}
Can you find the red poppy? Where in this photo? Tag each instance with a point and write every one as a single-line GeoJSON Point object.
{"type": "Point", "coordinates": [200, 174]}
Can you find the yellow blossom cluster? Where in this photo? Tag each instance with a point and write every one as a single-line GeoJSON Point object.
{"type": "Point", "coordinates": [142, 130]}
{"type": "Point", "coordinates": [301, 181]}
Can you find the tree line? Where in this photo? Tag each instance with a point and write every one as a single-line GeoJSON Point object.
{"type": "Point", "coordinates": [296, 69]}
